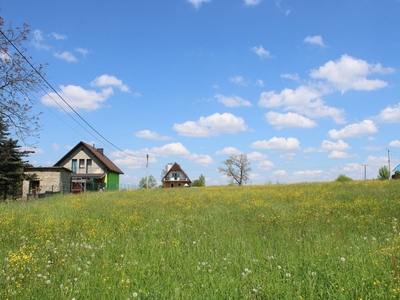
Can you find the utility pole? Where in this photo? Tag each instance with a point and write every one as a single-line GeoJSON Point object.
{"type": "Point", "coordinates": [147, 171]}
{"type": "Point", "coordinates": [365, 172]}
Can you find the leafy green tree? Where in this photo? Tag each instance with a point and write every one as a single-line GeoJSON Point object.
{"type": "Point", "coordinates": [18, 80]}
{"type": "Point", "coordinates": [343, 178]}
{"type": "Point", "coordinates": [152, 182]}
{"type": "Point", "coordinates": [383, 173]}
{"type": "Point", "coordinates": [11, 163]}
{"type": "Point", "coordinates": [201, 181]}
{"type": "Point", "coordinates": [237, 169]}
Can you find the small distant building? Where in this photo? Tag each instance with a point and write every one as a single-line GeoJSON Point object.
{"type": "Point", "coordinates": [396, 172]}
{"type": "Point", "coordinates": [45, 181]}
{"type": "Point", "coordinates": [175, 177]}
{"type": "Point", "coordinates": [91, 169]}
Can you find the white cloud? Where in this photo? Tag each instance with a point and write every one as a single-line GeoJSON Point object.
{"type": "Point", "coordinates": [38, 39]}
{"type": "Point", "coordinates": [395, 143]}
{"type": "Point", "coordinates": [82, 51]}
{"type": "Point", "coordinates": [276, 143]}
{"type": "Point", "coordinates": [147, 134]}
{"type": "Point", "coordinates": [265, 165]}
{"type": "Point", "coordinates": [315, 40]}
{"type": "Point", "coordinates": [351, 73]}
{"type": "Point", "coordinates": [259, 82]}
{"type": "Point", "coordinates": [56, 147]}
{"type": "Point", "coordinates": [136, 159]}
{"type": "Point", "coordinates": [77, 97]}
{"type": "Point", "coordinates": [213, 125]}
{"type": "Point", "coordinates": [59, 36]}
{"type": "Point", "coordinates": [304, 100]}
{"type": "Point", "coordinates": [67, 56]}
{"type": "Point", "coordinates": [330, 146]}
{"type": "Point", "coordinates": [279, 173]}
{"type": "Point", "coordinates": [109, 80]}
{"type": "Point", "coordinates": [339, 154]}
{"type": "Point", "coordinates": [232, 101]}
{"type": "Point", "coordinates": [198, 3]}
{"type": "Point", "coordinates": [289, 120]}
{"type": "Point", "coordinates": [228, 151]}
{"type": "Point", "coordinates": [294, 76]}
{"type": "Point", "coordinates": [237, 80]}
{"type": "Point", "coordinates": [390, 114]}
{"type": "Point", "coordinates": [354, 130]}
{"type": "Point", "coordinates": [261, 52]}
{"type": "Point", "coordinates": [251, 2]}
{"type": "Point", "coordinates": [256, 156]}
{"type": "Point", "coordinates": [308, 173]}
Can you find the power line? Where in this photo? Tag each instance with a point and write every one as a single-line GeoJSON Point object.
{"type": "Point", "coordinates": [54, 90]}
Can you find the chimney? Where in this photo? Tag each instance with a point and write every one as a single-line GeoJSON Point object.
{"type": "Point", "coordinates": [100, 150]}
{"type": "Point", "coordinates": [169, 166]}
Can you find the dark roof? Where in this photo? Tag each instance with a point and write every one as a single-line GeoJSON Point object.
{"type": "Point", "coordinates": [98, 153]}
{"type": "Point", "coordinates": [176, 167]}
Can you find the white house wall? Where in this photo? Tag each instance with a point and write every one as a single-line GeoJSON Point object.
{"type": "Point", "coordinates": [97, 166]}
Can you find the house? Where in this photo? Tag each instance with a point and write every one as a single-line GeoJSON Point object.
{"type": "Point", "coordinates": [43, 181]}
{"type": "Point", "coordinates": [175, 177]}
{"type": "Point", "coordinates": [396, 172]}
{"type": "Point", "coordinates": [90, 168]}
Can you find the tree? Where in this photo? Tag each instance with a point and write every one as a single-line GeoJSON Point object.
{"type": "Point", "coordinates": [152, 182]}
{"type": "Point", "coordinates": [237, 168]}
{"type": "Point", "coordinates": [11, 163]}
{"type": "Point", "coordinates": [199, 182]}
{"type": "Point", "coordinates": [343, 178]}
{"type": "Point", "coordinates": [383, 173]}
{"type": "Point", "coordinates": [18, 80]}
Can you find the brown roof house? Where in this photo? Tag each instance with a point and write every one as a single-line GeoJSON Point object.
{"type": "Point", "coordinates": [91, 169]}
{"type": "Point", "coordinates": [175, 177]}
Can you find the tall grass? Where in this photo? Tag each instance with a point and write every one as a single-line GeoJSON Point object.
{"type": "Point", "coordinates": [299, 241]}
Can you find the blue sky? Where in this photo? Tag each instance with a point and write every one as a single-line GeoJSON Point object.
{"type": "Point", "coordinates": [306, 89]}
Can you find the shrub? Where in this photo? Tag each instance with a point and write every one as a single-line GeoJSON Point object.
{"type": "Point", "coordinates": [343, 178]}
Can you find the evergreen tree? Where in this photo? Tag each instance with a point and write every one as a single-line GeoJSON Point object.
{"type": "Point", "coordinates": [11, 163]}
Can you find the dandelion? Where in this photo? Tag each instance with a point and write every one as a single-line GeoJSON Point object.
{"type": "Point", "coordinates": [313, 273]}
{"type": "Point", "coordinates": [288, 275]}
{"type": "Point", "coordinates": [48, 282]}
{"type": "Point", "coordinates": [134, 295]}
{"type": "Point", "coordinates": [279, 267]}
{"type": "Point", "coordinates": [342, 259]}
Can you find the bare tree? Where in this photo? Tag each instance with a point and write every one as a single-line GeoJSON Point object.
{"type": "Point", "coordinates": [19, 80]}
{"type": "Point", "coordinates": [237, 168]}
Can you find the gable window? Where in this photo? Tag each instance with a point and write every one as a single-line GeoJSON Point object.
{"type": "Point", "coordinates": [88, 166]}
{"type": "Point", "coordinates": [73, 166]}
{"type": "Point", "coordinates": [81, 163]}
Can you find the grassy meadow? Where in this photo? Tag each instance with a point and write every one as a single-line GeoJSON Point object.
{"type": "Point", "coordinates": [298, 241]}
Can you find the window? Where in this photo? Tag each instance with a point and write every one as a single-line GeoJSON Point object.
{"type": "Point", "coordinates": [73, 166]}
{"type": "Point", "coordinates": [88, 166]}
{"type": "Point", "coordinates": [81, 164]}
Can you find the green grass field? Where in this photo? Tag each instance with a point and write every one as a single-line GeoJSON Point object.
{"type": "Point", "coordinates": [298, 241]}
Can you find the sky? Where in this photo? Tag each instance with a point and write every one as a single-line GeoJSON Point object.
{"type": "Point", "coordinates": [308, 90]}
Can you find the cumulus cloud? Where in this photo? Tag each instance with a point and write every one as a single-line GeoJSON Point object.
{"type": "Point", "coordinates": [339, 154]}
{"type": "Point", "coordinates": [213, 125]}
{"type": "Point", "coordinates": [151, 135]}
{"type": "Point", "coordinates": [228, 151]}
{"type": "Point", "coordinates": [251, 2]}
{"type": "Point", "coordinates": [237, 80]}
{"type": "Point", "coordinates": [59, 36]}
{"type": "Point", "coordinates": [395, 143]}
{"type": "Point", "coordinates": [294, 76]}
{"type": "Point", "coordinates": [66, 56]}
{"type": "Point", "coordinates": [109, 80]}
{"type": "Point", "coordinates": [354, 130]}
{"type": "Point", "coordinates": [82, 51]}
{"type": "Point", "coordinates": [288, 120]}
{"type": "Point", "coordinates": [390, 114]}
{"type": "Point", "coordinates": [198, 3]}
{"type": "Point", "coordinates": [308, 173]}
{"type": "Point", "coordinates": [256, 156]}
{"type": "Point", "coordinates": [340, 145]}
{"type": "Point", "coordinates": [349, 73]}
{"type": "Point", "coordinates": [276, 143]}
{"type": "Point", "coordinates": [305, 100]}
{"type": "Point", "coordinates": [232, 101]}
{"type": "Point", "coordinates": [279, 173]}
{"type": "Point", "coordinates": [77, 97]}
{"type": "Point", "coordinates": [315, 40]}
{"type": "Point", "coordinates": [38, 40]}
{"type": "Point", "coordinates": [261, 52]}
{"type": "Point", "coordinates": [265, 165]}
{"type": "Point", "coordinates": [136, 159]}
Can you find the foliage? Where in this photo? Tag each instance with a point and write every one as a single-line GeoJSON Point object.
{"type": "Point", "coordinates": [343, 178]}
{"type": "Point", "coordinates": [201, 181]}
{"type": "Point", "coordinates": [237, 168]}
{"type": "Point", "coordinates": [384, 173]}
{"type": "Point", "coordinates": [151, 180]}
{"type": "Point", "coordinates": [17, 81]}
{"type": "Point", "coordinates": [396, 175]}
{"type": "Point", "coordinates": [11, 163]}
{"type": "Point", "coordinates": [300, 241]}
